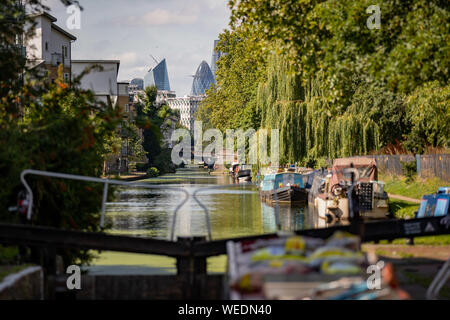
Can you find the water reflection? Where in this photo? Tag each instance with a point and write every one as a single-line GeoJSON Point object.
{"type": "Point", "coordinates": [234, 211]}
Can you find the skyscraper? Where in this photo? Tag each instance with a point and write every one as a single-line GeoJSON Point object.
{"type": "Point", "coordinates": [158, 76]}
{"type": "Point", "coordinates": [203, 79]}
{"type": "Point", "coordinates": [215, 57]}
{"type": "Point", "coordinates": [139, 83]}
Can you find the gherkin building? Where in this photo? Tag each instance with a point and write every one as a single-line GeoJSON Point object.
{"type": "Point", "coordinates": [203, 79]}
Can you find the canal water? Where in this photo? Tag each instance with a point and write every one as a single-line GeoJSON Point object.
{"type": "Point", "coordinates": [234, 211]}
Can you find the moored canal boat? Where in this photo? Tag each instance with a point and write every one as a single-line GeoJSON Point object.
{"type": "Point", "coordinates": [435, 205]}
{"type": "Point", "coordinates": [241, 172]}
{"type": "Point", "coordinates": [283, 187]}
{"type": "Point", "coordinates": [328, 194]}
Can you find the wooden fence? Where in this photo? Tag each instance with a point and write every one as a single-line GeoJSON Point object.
{"type": "Point", "coordinates": [435, 165]}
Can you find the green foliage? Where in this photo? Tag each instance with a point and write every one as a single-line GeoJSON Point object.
{"type": "Point", "coordinates": [402, 209]}
{"type": "Point", "coordinates": [409, 170]}
{"type": "Point", "coordinates": [141, 167]}
{"type": "Point", "coordinates": [231, 104]}
{"type": "Point", "coordinates": [155, 119]}
{"type": "Point", "coordinates": [428, 109]}
{"type": "Point", "coordinates": [8, 255]}
{"type": "Point", "coordinates": [62, 129]}
{"type": "Point", "coordinates": [163, 161]}
{"type": "Point", "coordinates": [153, 172]}
{"type": "Point", "coordinates": [415, 189]}
{"type": "Point", "coordinates": [331, 36]}
{"type": "Point", "coordinates": [310, 127]}
{"type": "Point", "coordinates": [51, 127]}
{"type": "Point", "coordinates": [332, 86]}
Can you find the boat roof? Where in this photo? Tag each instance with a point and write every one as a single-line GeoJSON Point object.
{"type": "Point", "coordinates": [357, 162]}
{"type": "Point", "coordinates": [368, 166]}
{"type": "Point", "coordinates": [281, 173]}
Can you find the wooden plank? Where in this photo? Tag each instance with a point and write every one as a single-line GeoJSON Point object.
{"type": "Point", "coordinates": [45, 236]}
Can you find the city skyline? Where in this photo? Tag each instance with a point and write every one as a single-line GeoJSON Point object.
{"type": "Point", "coordinates": [116, 30]}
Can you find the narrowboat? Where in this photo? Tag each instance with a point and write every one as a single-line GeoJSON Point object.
{"type": "Point", "coordinates": [434, 205]}
{"type": "Point", "coordinates": [283, 187]}
{"type": "Point", "coordinates": [241, 173]}
{"type": "Point", "coordinates": [328, 194]}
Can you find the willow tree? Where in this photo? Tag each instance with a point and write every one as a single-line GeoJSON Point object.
{"type": "Point", "coordinates": [309, 126]}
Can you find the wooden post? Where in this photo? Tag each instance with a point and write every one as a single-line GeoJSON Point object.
{"type": "Point", "coordinates": [191, 269]}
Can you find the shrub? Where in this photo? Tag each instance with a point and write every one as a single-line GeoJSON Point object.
{"type": "Point", "coordinates": [409, 170]}
{"type": "Point", "coordinates": [141, 167]}
{"type": "Point", "coordinates": [153, 172]}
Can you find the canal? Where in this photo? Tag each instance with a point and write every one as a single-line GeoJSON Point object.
{"type": "Point", "coordinates": [234, 211]}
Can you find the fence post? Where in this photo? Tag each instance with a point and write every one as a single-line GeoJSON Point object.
{"type": "Point", "coordinates": [192, 269]}
{"type": "Point", "coordinates": [418, 164]}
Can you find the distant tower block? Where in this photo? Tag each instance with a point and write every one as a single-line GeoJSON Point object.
{"type": "Point", "coordinates": [215, 57]}
{"type": "Point", "coordinates": [203, 79]}
{"type": "Point", "coordinates": [158, 76]}
{"type": "Point", "coordinates": [139, 83]}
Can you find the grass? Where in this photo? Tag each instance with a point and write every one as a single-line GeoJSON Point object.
{"type": "Point", "coordinates": [109, 258]}
{"type": "Point", "coordinates": [415, 189]}
{"type": "Point", "coordinates": [442, 240]}
{"type": "Point", "coordinates": [8, 255]}
{"type": "Point", "coordinates": [402, 209]}
{"type": "Point", "coordinates": [405, 210]}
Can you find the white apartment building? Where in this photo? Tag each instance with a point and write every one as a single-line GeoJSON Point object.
{"type": "Point", "coordinates": [187, 106]}
{"type": "Point", "coordinates": [50, 47]}
{"type": "Point", "coordinates": [102, 83]}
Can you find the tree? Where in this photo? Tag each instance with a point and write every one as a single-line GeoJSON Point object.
{"type": "Point", "coordinates": [155, 119]}
{"type": "Point", "coordinates": [428, 110]}
{"type": "Point", "coordinates": [331, 36]}
{"type": "Point", "coordinates": [232, 103]}
{"type": "Point", "coordinates": [50, 127]}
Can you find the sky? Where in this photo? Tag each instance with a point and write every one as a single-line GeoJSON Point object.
{"type": "Point", "coordinates": [182, 31]}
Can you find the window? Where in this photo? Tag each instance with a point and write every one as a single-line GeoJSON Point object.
{"type": "Point", "coordinates": [64, 51]}
{"type": "Point", "coordinates": [46, 46]}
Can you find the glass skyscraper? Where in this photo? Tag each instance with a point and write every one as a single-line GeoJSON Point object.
{"type": "Point", "coordinates": [215, 56]}
{"type": "Point", "coordinates": [203, 79]}
{"type": "Point", "coordinates": [139, 83]}
{"type": "Point", "coordinates": [158, 76]}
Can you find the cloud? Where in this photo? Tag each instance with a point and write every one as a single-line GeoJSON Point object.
{"type": "Point", "coordinates": [159, 17]}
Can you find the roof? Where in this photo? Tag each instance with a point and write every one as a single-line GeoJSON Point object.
{"type": "Point", "coordinates": [96, 61]}
{"type": "Point", "coordinates": [45, 14]}
{"type": "Point", "coordinates": [54, 26]}
{"type": "Point", "coordinates": [367, 168]}
{"type": "Point", "coordinates": [64, 32]}
{"type": "Point", "coordinates": [99, 62]}
{"type": "Point", "coordinates": [357, 162]}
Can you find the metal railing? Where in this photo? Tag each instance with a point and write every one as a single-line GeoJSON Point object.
{"type": "Point", "coordinates": [439, 281]}
{"type": "Point", "coordinates": [106, 183]}
{"type": "Point", "coordinates": [205, 209]}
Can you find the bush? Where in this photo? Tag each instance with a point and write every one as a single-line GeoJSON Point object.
{"type": "Point", "coordinates": [141, 167]}
{"type": "Point", "coordinates": [153, 172]}
{"type": "Point", "coordinates": [409, 170]}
